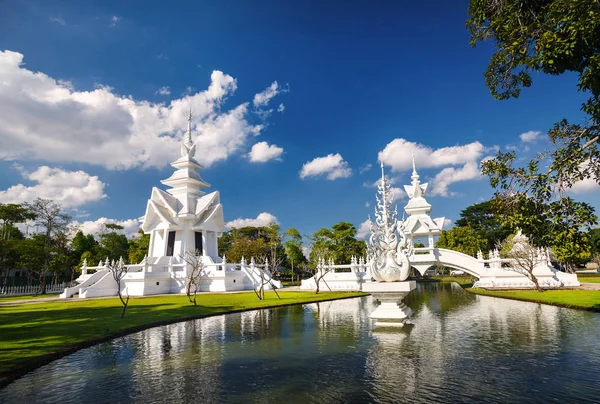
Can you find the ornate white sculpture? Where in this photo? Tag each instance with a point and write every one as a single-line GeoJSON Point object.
{"type": "Point", "coordinates": [388, 247]}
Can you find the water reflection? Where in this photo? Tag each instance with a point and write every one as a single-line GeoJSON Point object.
{"type": "Point", "coordinates": [458, 348]}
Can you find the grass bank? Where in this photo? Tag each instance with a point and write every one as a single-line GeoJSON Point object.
{"type": "Point", "coordinates": [574, 299]}
{"type": "Point", "coordinates": [591, 278]}
{"type": "Point", "coordinates": [34, 334]}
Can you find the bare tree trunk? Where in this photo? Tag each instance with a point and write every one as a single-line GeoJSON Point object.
{"type": "Point", "coordinates": [535, 281]}
{"type": "Point", "coordinates": [124, 302]}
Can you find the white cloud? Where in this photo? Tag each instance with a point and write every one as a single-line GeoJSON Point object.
{"type": "Point", "coordinates": [263, 219]}
{"type": "Point", "coordinates": [262, 152]}
{"type": "Point", "coordinates": [450, 175]}
{"type": "Point", "coordinates": [58, 20]}
{"type": "Point", "coordinates": [367, 204]}
{"type": "Point", "coordinates": [44, 120]}
{"type": "Point", "coordinates": [365, 168]}
{"type": "Point", "coordinates": [164, 90]}
{"type": "Point", "coordinates": [114, 20]}
{"type": "Point", "coordinates": [447, 223]}
{"type": "Point", "coordinates": [262, 99]}
{"type": "Point", "coordinates": [398, 155]}
{"type": "Point", "coordinates": [584, 186]}
{"type": "Point", "coordinates": [364, 230]}
{"type": "Point", "coordinates": [94, 227]}
{"type": "Point", "coordinates": [375, 184]}
{"type": "Point", "coordinates": [68, 188]}
{"type": "Point", "coordinates": [397, 194]}
{"type": "Point", "coordinates": [162, 56]}
{"type": "Point", "coordinates": [332, 165]}
{"type": "Point", "coordinates": [530, 136]}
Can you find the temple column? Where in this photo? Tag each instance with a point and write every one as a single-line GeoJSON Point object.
{"type": "Point", "coordinates": [204, 243]}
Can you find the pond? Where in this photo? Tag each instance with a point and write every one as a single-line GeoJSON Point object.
{"type": "Point", "coordinates": [459, 348]}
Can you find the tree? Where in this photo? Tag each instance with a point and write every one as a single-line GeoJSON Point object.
{"type": "Point", "coordinates": [463, 239]}
{"type": "Point", "coordinates": [118, 270]}
{"type": "Point", "coordinates": [112, 244]}
{"type": "Point", "coordinates": [339, 244]}
{"type": "Point", "coordinates": [9, 254]}
{"type": "Point", "coordinates": [525, 257]}
{"type": "Point", "coordinates": [54, 222]}
{"type": "Point", "coordinates": [485, 219]}
{"type": "Point", "coordinates": [83, 247]}
{"type": "Point", "coordinates": [559, 224]}
{"type": "Point", "coordinates": [196, 266]}
{"type": "Point", "coordinates": [138, 247]}
{"type": "Point", "coordinates": [293, 248]}
{"type": "Point", "coordinates": [11, 214]}
{"type": "Point", "coordinates": [253, 242]}
{"type": "Point", "coordinates": [552, 37]}
{"type": "Point", "coordinates": [31, 254]}
{"type": "Point", "coordinates": [263, 268]}
{"type": "Point", "coordinates": [594, 239]}
{"type": "Point", "coordinates": [320, 272]}
{"type": "Point", "coordinates": [246, 247]}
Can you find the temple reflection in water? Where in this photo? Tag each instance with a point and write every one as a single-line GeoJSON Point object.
{"type": "Point", "coordinates": [459, 347]}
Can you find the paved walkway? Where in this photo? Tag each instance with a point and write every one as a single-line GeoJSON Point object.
{"type": "Point", "coordinates": [589, 286]}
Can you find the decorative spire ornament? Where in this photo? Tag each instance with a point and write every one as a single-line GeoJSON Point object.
{"type": "Point", "coordinates": [388, 248]}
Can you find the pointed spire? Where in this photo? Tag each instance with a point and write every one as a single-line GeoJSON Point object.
{"type": "Point", "coordinates": [188, 148]}
{"type": "Point", "coordinates": [189, 132]}
{"type": "Point", "coordinates": [415, 176]}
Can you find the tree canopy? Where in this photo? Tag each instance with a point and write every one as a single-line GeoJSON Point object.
{"type": "Point", "coordinates": [338, 243]}
{"type": "Point", "coordinates": [484, 219]}
{"type": "Point", "coordinates": [552, 37]}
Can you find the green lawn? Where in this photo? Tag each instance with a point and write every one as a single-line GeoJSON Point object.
{"type": "Point", "coordinates": [577, 299]}
{"type": "Point", "coordinates": [589, 279]}
{"type": "Point", "coordinates": [4, 299]}
{"type": "Point", "coordinates": [29, 331]}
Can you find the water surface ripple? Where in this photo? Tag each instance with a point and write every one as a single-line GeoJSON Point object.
{"type": "Point", "coordinates": [459, 348]}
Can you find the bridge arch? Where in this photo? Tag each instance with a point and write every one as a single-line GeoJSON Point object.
{"type": "Point", "coordinates": [448, 258]}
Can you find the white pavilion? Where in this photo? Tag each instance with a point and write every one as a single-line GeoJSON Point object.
{"type": "Point", "coordinates": [419, 223]}
{"type": "Point", "coordinates": [182, 220]}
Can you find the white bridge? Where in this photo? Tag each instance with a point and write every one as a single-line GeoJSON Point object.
{"type": "Point", "coordinates": [493, 272]}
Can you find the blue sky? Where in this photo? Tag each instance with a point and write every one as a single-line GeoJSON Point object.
{"type": "Point", "coordinates": [93, 98]}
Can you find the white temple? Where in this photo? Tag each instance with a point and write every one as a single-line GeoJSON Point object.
{"type": "Point", "coordinates": [182, 220]}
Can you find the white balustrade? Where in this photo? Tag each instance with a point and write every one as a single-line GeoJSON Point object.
{"type": "Point", "coordinates": [31, 289]}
